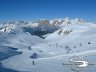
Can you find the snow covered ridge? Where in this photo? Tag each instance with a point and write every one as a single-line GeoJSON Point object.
{"type": "Point", "coordinates": [7, 28]}
{"type": "Point", "coordinates": [45, 21]}
{"type": "Point", "coordinates": [42, 24]}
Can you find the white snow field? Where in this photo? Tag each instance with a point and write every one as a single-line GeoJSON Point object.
{"type": "Point", "coordinates": [24, 52]}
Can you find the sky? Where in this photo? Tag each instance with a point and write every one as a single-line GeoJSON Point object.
{"type": "Point", "coordinates": [14, 10]}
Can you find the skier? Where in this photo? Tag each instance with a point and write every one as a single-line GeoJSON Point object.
{"type": "Point", "coordinates": [33, 63]}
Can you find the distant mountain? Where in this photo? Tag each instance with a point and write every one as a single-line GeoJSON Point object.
{"type": "Point", "coordinates": [40, 27]}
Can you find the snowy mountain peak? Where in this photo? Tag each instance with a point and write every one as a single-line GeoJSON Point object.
{"type": "Point", "coordinates": [41, 25]}
{"type": "Point", "coordinates": [8, 28]}
{"type": "Point", "coordinates": [67, 20]}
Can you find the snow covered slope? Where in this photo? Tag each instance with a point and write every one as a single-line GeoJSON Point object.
{"type": "Point", "coordinates": [29, 53]}
{"type": "Point", "coordinates": [11, 42]}
{"type": "Point", "coordinates": [70, 30]}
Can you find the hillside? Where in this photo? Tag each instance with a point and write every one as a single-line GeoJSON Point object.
{"type": "Point", "coordinates": [23, 49]}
